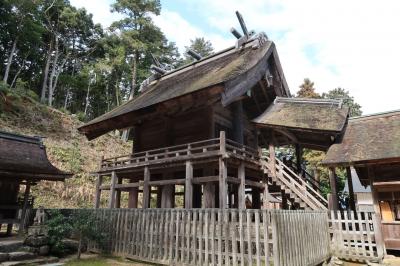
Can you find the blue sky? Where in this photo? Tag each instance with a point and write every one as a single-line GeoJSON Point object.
{"type": "Point", "coordinates": [349, 44]}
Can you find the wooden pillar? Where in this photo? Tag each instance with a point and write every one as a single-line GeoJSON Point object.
{"type": "Point", "coordinates": [285, 204]}
{"type": "Point", "coordinates": [209, 189]}
{"type": "Point", "coordinates": [272, 158]}
{"type": "Point", "coordinates": [189, 185]}
{"type": "Point", "coordinates": [299, 158]}
{"type": "Point", "coordinates": [238, 127]}
{"type": "Point", "coordinates": [111, 201]}
{"type": "Point", "coordinates": [24, 208]}
{"type": "Point", "coordinates": [133, 198]}
{"type": "Point", "coordinates": [256, 198]}
{"type": "Point", "coordinates": [352, 203]}
{"type": "Point", "coordinates": [146, 188]}
{"type": "Point", "coordinates": [209, 195]}
{"type": "Point", "coordinates": [167, 196]}
{"type": "Point", "coordinates": [378, 230]}
{"type": "Point", "coordinates": [242, 186]}
{"type": "Point", "coordinates": [99, 182]}
{"type": "Point", "coordinates": [118, 195]}
{"type": "Point", "coordinates": [159, 196]}
{"type": "Point", "coordinates": [222, 173]}
{"type": "Point", "coordinates": [265, 194]}
{"type": "Point", "coordinates": [332, 181]}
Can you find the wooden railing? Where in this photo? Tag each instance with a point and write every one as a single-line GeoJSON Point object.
{"type": "Point", "coordinates": [216, 236]}
{"type": "Point", "coordinates": [193, 150]}
{"type": "Point", "coordinates": [296, 184]}
{"type": "Point", "coordinates": [356, 236]}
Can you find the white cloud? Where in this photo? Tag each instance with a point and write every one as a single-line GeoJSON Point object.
{"type": "Point", "coordinates": [101, 10]}
{"type": "Point", "coordinates": [180, 31]}
{"type": "Point", "coordinates": [355, 43]}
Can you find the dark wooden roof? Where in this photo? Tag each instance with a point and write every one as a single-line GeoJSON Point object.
{"type": "Point", "coordinates": [368, 139]}
{"type": "Point", "coordinates": [236, 70]}
{"type": "Point", "coordinates": [23, 157]}
{"type": "Point", "coordinates": [308, 114]}
{"type": "Point", "coordinates": [313, 123]}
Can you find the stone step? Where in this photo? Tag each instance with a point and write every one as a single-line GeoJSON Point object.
{"type": "Point", "coordinates": [10, 245]}
{"type": "Point", "coordinates": [34, 261]}
{"type": "Point", "coordinates": [21, 255]}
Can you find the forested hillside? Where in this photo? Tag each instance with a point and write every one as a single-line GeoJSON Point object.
{"type": "Point", "coordinates": [60, 69]}
{"type": "Point", "coordinates": [56, 51]}
{"type": "Point", "coordinates": [66, 148]}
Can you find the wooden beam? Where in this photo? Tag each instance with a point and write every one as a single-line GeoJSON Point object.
{"type": "Point", "coordinates": [180, 181]}
{"type": "Point", "coordinates": [128, 185]}
{"type": "Point", "coordinates": [189, 185]}
{"type": "Point", "coordinates": [287, 133]}
{"type": "Point", "coordinates": [146, 188]}
{"type": "Point", "coordinates": [205, 179]}
{"type": "Point", "coordinates": [111, 200]}
{"type": "Point", "coordinates": [254, 184]}
{"type": "Point", "coordinates": [352, 203]}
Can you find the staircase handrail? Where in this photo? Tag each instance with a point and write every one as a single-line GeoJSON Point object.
{"type": "Point", "coordinates": [319, 199]}
{"type": "Point", "coordinates": [292, 184]}
{"type": "Point", "coordinates": [316, 185]}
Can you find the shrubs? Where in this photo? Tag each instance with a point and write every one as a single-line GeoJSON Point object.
{"type": "Point", "coordinates": [82, 224]}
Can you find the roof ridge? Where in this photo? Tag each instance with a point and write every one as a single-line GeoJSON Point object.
{"type": "Point", "coordinates": [375, 115]}
{"type": "Point", "coordinates": [337, 102]}
{"type": "Point", "coordinates": [22, 138]}
{"type": "Point", "coordinates": [211, 56]}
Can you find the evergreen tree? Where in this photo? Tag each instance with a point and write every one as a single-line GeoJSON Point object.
{"type": "Point", "coordinates": [199, 45]}
{"type": "Point", "coordinates": [307, 90]}
{"type": "Point", "coordinates": [339, 93]}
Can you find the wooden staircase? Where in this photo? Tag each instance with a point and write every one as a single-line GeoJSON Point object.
{"type": "Point", "coordinates": [299, 192]}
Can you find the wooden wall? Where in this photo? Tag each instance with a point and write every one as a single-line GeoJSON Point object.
{"type": "Point", "coordinates": [191, 126]}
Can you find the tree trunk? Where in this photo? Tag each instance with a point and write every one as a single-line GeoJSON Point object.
{"type": "Point", "coordinates": [10, 59]}
{"type": "Point", "coordinates": [53, 73]}
{"type": "Point", "coordinates": [60, 69]}
{"type": "Point", "coordinates": [46, 73]}
{"type": "Point", "coordinates": [87, 98]}
{"type": "Point", "coordinates": [134, 76]}
{"type": "Point", "coordinates": [79, 246]}
{"type": "Point", "coordinates": [17, 74]}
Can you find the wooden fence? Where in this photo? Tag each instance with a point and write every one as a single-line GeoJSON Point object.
{"type": "Point", "coordinates": [355, 236]}
{"type": "Point", "coordinates": [215, 236]}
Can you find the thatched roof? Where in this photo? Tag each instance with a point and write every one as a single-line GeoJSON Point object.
{"type": "Point", "coordinates": [308, 114]}
{"type": "Point", "coordinates": [229, 68]}
{"type": "Point", "coordinates": [23, 157]}
{"type": "Point", "coordinates": [368, 139]}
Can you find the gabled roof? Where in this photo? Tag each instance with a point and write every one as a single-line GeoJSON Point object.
{"type": "Point", "coordinates": [368, 139]}
{"type": "Point", "coordinates": [234, 68]}
{"type": "Point", "coordinates": [23, 157]}
{"type": "Point", "coordinates": [307, 114]}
